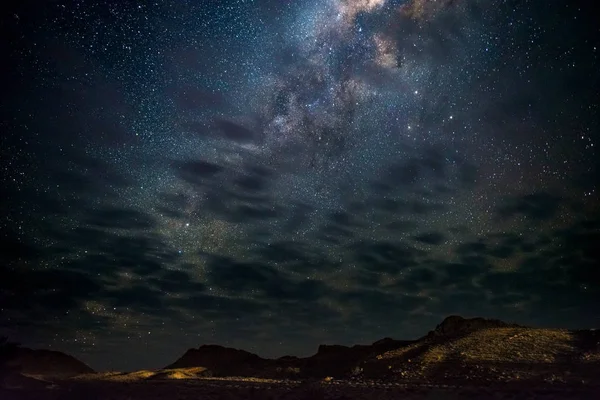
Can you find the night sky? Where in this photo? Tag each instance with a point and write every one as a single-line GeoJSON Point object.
{"type": "Point", "coordinates": [276, 174]}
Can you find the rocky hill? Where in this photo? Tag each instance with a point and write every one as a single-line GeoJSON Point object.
{"type": "Point", "coordinates": [330, 360]}
{"type": "Point", "coordinates": [478, 349]}
{"type": "Point", "coordinates": [458, 348]}
{"type": "Point", "coordinates": [45, 363]}
{"type": "Point", "coordinates": [222, 361]}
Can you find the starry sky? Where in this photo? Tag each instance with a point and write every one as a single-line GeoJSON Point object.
{"type": "Point", "coordinates": [276, 174]}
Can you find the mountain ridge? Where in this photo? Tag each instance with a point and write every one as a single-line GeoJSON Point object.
{"type": "Point", "coordinates": [451, 325]}
{"type": "Point", "coordinates": [469, 342]}
{"type": "Point", "coordinates": [457, 348]}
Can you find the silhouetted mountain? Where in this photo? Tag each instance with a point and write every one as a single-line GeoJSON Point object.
{"type": "Point", "coordinates": [221, 361]}
{"type": "Point", "coordinates": [45, 363]}
{"type": "Point", "coordinates": [330, 360]}
{"type": "Point", "coordinates": [337, 361]}
{"type": "Point", "coordinates": [458, 348]}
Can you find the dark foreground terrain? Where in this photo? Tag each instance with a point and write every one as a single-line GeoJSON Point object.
{"type": "Point", "coordinates": [242, 388]}
{"type": "Point", "coordinates": [461, 358]}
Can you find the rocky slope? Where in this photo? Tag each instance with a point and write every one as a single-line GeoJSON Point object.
{"type": "Point", "coordinates": [457, 325]}
{"type": "Point", "coordinates": [491, 350]}
{"type": "Point", "coordinates": [458, 348]}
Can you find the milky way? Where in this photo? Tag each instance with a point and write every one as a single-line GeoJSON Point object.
{"type": "Point", "coordinates": [272, 175]}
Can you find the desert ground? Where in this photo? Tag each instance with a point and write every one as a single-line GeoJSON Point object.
{"type": "Point", "coordinates": [249, 388]}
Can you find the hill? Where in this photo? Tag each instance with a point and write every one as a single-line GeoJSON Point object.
{"type": "Point", "coordinates": [222, 361]}
{"type": "Point", "coordinates": [45, 363]}
{"type": "Point", "coordinates": [161, 374]}
{"type": "Point", "coordinates": [492, 350]}
{"type": "Point", "coordinates": [330, 360]}
{"type": "Point", "coordinates": [458, 348]}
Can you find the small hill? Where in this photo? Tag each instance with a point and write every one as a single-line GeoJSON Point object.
{"type": "Point", "coordinates": [222, 361]}
{"type": "Point", "coordinates": [491, 350]}
{"type": "Point", "coordinates": [46, 363]}
{"type": "Point", "coordinates": [162, 374]}
{"type": "Point", "coordinates": [181, 373]}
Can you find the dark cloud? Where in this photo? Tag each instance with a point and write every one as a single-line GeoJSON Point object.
{"type": "Point", "coordinates": [195, 172]}
{"type": "Point", "coordinates": [235, 132]}
{"type": "Point", "coordinates": [422, 161]}
{"type": "Point", "coordinates": [384, 257]}
{"type": "Point", "coordinates": [55, 291]}
{"type": "Point", "coordinates": [402, 226]}
{"type": "Point", "coordinates": [432, 238]}
{"type": "Point", "coordinates": [262, 280]}
{"type": "Point", "coordinates": [537, 206]}
{"type": "Point", "coordinates": [219, 307]}
{"type": "Point", "coordinates": [298, 217]}
{"type": "Point", "coordinates": [138, 297]}
{"type": "Point", "coordinates": [471, 248]}
{"type": "Point", "coordinates": [284, 252]}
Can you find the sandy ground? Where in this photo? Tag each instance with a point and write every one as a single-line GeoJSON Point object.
{"type": "Point", "coordinates": [232, 389]}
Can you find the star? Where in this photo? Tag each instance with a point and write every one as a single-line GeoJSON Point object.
{"type": "Point", "coordinates": [245, 172]}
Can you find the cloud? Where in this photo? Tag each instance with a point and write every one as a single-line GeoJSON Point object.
{"type": "Point", "coordinates": [422, 10]}
{"type": "Point", "coordinates": [234, 132]}
{"type": "Point", "coordinates": [44, 294]}
{"type": "Point", "coordinates": [195, 172]}
{"type": "Point", "coordinates": [537, 206]}
{"type": "Point", "coordinates": [384, 257]}
{"type": "Point", "coordinates": [330, 188]}
{"type": "Point", "coordinates": [349, 9]}
{"type": "Point", "coordinates": [262, 280]}
{"type": "Point", "coordinates": [431, 238]}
